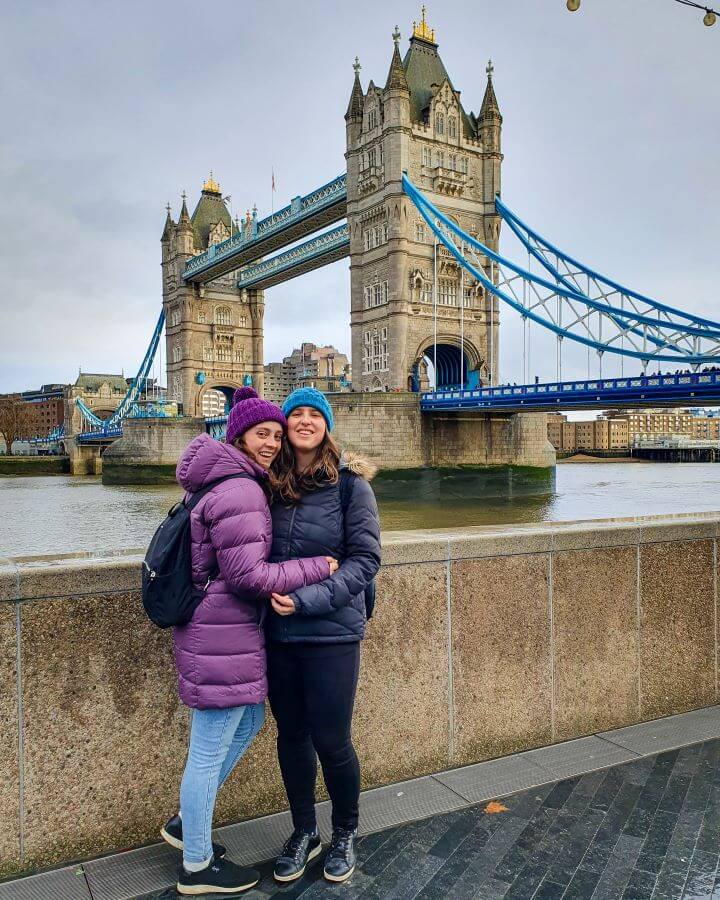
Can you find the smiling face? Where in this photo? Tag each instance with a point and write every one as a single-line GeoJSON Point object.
{"type": "Point", "coordinates": [261, 442]}
{"type": "Point", "coordinates": [306, 428]}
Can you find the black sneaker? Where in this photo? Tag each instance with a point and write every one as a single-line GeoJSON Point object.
{"type": "Point", "coordinates": [341, 856]}
{"type": "Point", "coordinates": [172, 833]}
{"type": "Point", "coordinates": [220, 877]}
{"type": "Point", "coordinates": [299, 849]}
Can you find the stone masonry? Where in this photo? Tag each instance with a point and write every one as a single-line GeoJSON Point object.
{"type": "Point", "coordinates": [417, 124]}
{"type": "Point", "coordinates": [214, 333]}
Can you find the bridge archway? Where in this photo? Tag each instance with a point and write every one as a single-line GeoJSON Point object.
{"type": "Point", "coordinates": [456, 361]}
{"type": "Point", "coordinates": [215, 399]}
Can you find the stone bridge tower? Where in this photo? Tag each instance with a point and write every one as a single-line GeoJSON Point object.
{"type": "Point", "coordinates": [418, 124]}
{"type": "Point", "coordinates": [214, 333]}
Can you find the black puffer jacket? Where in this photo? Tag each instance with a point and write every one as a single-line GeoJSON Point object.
{"type": "Point", "coordinates": [334, 610]}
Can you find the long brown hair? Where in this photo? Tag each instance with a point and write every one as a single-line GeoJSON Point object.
{"type": "Point", "coordinates": [289, 484]}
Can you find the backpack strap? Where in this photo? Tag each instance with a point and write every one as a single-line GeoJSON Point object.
{"type": "Point", "coordinates": [198, 495]}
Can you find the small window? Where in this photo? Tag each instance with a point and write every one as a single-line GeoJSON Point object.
{"type": "Point", "coordinates": [420, 232]}
{"type": "Point", "coordinates": [439, 123]}
{"type": "Point", "coordinates": [427, 156]}
{"type": "Point", "coordinates": [464, 165]}
{"type": "Point", "coordinates": [223, 315]}
{"type": "Point", "coordinates": [243, 321]}
{"type": "Point", "coordinates": [385, 232]}
{"type": "Point", "coordinates": [452, 126]}
{"type": "Point", "coordinates": [439, 159]}
{"type": "Point", "coordinates": [453, 162]}
{"type": "Point", "coordinates": [372, 119]}
{"type": "Point", "coordinates": [176, 353]}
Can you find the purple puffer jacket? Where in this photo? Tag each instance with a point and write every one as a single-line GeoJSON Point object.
{"type": "Point", "coordinates": [220, 653]}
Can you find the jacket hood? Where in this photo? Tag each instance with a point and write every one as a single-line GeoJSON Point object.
{"type": "Point", "coordinates": [206, 459]}
{"type": "Point", "coordinates": [358, 465]}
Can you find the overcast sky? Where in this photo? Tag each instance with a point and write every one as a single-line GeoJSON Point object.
{"type": "Point", "coordinates": [110, 110]}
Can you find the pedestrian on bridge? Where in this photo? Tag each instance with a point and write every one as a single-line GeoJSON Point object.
{"type": "Point", "coordinates": [324, 506]}
{"type": "Point", "coordinates": [220, 653]}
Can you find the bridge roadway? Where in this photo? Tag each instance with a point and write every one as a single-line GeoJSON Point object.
{"type": "Point", "coordinates": [639, 391]}
{"type": "Point", "coordinates": [302, 217]}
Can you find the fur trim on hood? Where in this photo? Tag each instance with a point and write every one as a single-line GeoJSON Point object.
{"type": "Point", "coordinates": [358, 465]}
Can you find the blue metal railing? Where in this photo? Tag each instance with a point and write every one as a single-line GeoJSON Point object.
{"type": "Point", "coordinates": [298, 209]}
{"type": "Point", "coordinates": [642, 390]}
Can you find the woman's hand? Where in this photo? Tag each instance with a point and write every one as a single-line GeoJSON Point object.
{"type": "Point", "coordinates": [282, 604]}
{"type": "Point", "coordinates": [333, 563]}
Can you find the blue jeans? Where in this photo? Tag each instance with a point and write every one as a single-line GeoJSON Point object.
{"type": "Point", "coordinates": [218, 738]}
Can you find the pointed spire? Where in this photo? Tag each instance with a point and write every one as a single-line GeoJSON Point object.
{"type": "Point", "coordinates": [167, 230]}
{"type": "Point", "coordinates": [355, 106]}
{"type": "Point", "coordinates": [396, 80]}
{"type": "Point", "coordinates": [489, 104]}
{"type": "Point", "coordinates": [184, 220]}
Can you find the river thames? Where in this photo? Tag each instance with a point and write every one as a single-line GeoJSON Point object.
{"type": "Point", "coordinates": [63, 514]}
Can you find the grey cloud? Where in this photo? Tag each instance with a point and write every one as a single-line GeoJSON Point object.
{"type": "Point", "coordinates": [110, 110]}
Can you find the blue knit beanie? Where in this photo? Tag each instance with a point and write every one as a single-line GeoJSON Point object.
{"type": "Point", "coordinates": [308, 396]}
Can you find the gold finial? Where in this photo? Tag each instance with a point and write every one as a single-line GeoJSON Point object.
{"type": "Point", "coordinates": [422, 31]}
{"type": "Point", "coordinates": [211, 184]}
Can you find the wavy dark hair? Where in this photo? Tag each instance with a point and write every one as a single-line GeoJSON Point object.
{"type": "Point", "coordinates": [289, 485]}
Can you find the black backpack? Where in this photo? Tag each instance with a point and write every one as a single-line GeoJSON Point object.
{"type": "Point", "coordinates": [345, 491]}
{"type": "Point", "coordinates": [168, 594]}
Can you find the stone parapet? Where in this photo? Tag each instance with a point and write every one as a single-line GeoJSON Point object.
{"type": "Point", "coordinates": [485, 641]}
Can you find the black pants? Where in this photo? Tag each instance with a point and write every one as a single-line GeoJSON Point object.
{"type": "Point", "coordinates": [312, 691]}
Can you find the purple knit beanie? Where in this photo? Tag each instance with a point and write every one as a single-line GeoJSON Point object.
{"type": "Point", "coordinates": [247, 410]}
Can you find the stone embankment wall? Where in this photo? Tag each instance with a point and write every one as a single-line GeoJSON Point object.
{"type": "Point", "coordinates": [34, 465]}
{"type": "Point", "coordinates": [390, 428]}
{"type": "Point", "coordinates": [485, 641]}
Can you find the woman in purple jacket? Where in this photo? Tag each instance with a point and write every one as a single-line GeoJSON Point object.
{"type": "Point", "coordinates": [220, 654]}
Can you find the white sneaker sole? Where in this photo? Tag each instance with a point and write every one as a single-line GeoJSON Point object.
{"type": "Point", "coordinates": [168, 838]}
{"type": "Point", "coordinates": [311, 855]}
{"type": "Point", "coordinates": [336, 879]}
{"type": "Point", "coordinates": [197, 889]}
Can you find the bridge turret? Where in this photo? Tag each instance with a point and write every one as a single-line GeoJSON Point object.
{"type": "Point", "coordinates": [214, 331]}
{"type": "Point", "coordinates": [184, 233]}
{"type": "Point", "coordinates": [354, 114]}
{"type": "Point", "coordinates": [417, 124]}
{"type": "Point", "coordinates": [489, 129]}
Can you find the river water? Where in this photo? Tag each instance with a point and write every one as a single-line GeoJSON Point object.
{"type": "Point", "coordinates": [62, 514]}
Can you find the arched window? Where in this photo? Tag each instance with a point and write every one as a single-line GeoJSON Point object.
{"type": "Point", "coordinates": [452, 126]}
{"type": "Point", "coordinates": [372, 119]}
{"type": "Point", "coordinates": [223, 315]}
{"type": "Point", "coordinates": [427, 156]}
{"type": "Point", "coordinates": [439, 123]}
{"type": "Point", "coordinates": [176, 353]}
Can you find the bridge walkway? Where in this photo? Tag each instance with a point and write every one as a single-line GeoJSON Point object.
{"type": "Point", "coordinates": [629, 813]}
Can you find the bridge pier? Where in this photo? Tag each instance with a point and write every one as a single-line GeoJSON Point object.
{"type": "Point", "coordinates": [148, 451]}
{"type": "Point", "coordinates": [389, 427]}
{"type": "Point", "coordinates": [84, 459]}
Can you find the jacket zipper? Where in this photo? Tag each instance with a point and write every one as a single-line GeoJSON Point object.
{"type": "Point", "coordinates": [287, 556]}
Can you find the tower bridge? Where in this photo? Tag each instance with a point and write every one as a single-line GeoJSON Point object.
{"type": "Point", "coordinates": [418, 212]}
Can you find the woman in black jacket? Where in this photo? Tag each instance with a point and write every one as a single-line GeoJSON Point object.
{"type": "Point", "coordinates": [325, 507]}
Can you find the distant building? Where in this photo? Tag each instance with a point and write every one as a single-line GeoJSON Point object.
{"type": "Point", "coordinates": [618, 429]}
{"type": "Point", "coordinates": [324, 368]}
{"type": "Point", "coordinates": [48, 402]}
